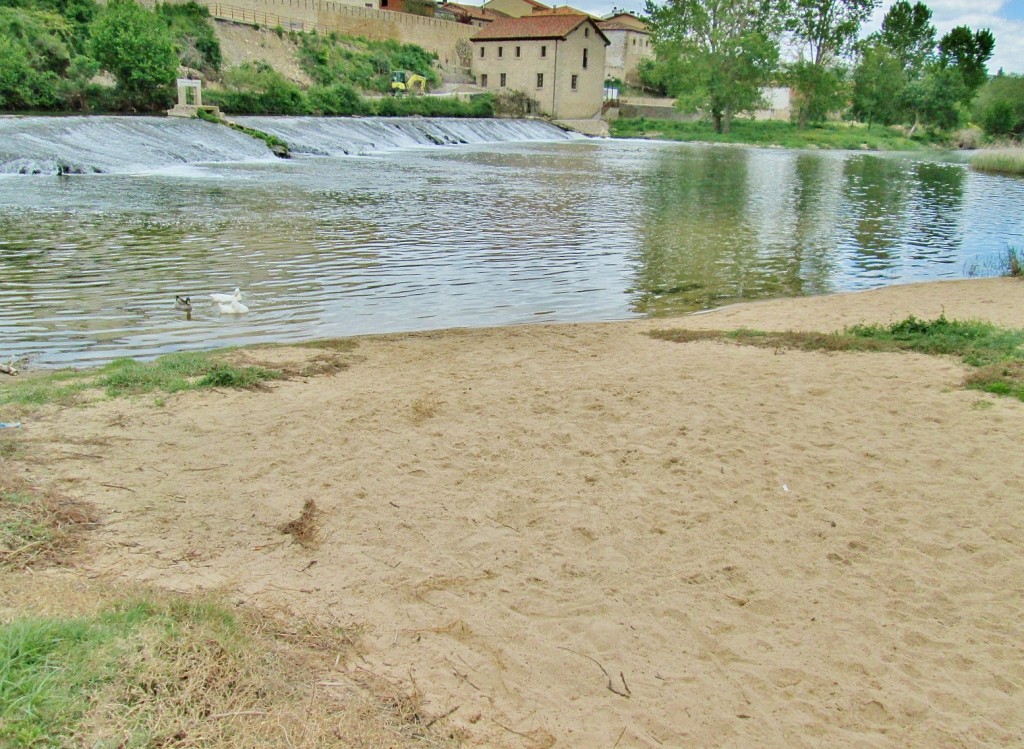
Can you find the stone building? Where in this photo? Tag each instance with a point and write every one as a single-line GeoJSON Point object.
{"type": "Point", "coordinates": [515, 8]}
{"type": "Point", "coordinates": [629, 43]}
{"type": "Point", "coordinates": [556, 60]}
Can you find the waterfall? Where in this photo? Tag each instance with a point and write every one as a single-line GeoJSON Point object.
{"type": "Point", "coordinates": [345, 136]}
{"type": "Point", "coordinates": [102, 144]}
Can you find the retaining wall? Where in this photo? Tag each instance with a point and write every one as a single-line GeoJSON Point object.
{"type": "Point", "coordinates": [325, 15]}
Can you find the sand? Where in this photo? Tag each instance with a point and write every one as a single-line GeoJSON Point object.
{"type": "Point", "coordinates": [580, 536]}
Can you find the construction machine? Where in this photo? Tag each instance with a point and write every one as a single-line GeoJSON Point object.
{"type": "Point", "coordinates": [407, 82]}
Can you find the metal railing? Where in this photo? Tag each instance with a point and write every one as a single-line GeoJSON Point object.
{"type": "Point", "coordinates": [258, 18]}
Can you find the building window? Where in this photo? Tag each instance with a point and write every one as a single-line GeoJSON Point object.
{"type": "Point", "coordinates": [634, 42]}
{"type": "Point", "coordinates": [483, 80]}
{"type": "Point", "coordinates": [584, 58]}
{"type": "Point", "coordinates": [501, 51]}
{"type": "Point", "coordinates": [543, 50]}
{"type": "Point", "coordinates": [575, 80]}
{"type": "Point", "coordinates": [503, 80]}
{"type": "Point", "coordinates": [518, 51]}
{"type": "Point", "coordinates": [586, 33]}
{"type": "Point", "coordinates": [482, 51]}
{"type": "Point", "coordinates": [540, 80]}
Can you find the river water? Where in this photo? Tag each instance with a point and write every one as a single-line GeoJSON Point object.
{"type": "Point", "coordinates": [529, 226]}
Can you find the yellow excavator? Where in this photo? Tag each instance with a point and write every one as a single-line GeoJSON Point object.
{"type": "Point", "coordinates": [407, 82]}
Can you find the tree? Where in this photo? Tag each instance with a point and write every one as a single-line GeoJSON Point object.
{"type": "Point", "coordinates": [999, 105]}
{"type": "Point", "coordinates": [715, 55]}
{"type": "Point", "coordinates": [907, 31]}
{"type": "Point", "coordinates": [878, 84]}
{"type": "Point", "coordinates": [827, 30]}
{"type": "Point", "coordinates": [935, 98]}
{"type": "Point", "coordinates": [967, 52]}
{"type": "Point", "coordinates": [136, 46]}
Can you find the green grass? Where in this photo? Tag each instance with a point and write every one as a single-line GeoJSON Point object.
{"type": "Point", "coordinates": [172, 373]}
{"type": "Point", "coordinates": [999, 160]}
{"type": "Point", "coordinates": [997, 354]}
{"type": "Point", "coordinates": [141, 668]}
{"type": "Point", "coordinates": [839, 135]}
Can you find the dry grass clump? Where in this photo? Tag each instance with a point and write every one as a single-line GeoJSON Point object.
{"type": "Point", "coordinates": [39, 527]}
{"type": "Point", "coordinates": [305, 529]}
{"type": "Point", "coordinates": [424, 408]}
{"type": "Point", "coordinates": [163, 670]}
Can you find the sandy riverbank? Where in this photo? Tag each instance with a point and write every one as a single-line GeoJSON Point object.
{"type": "Point", "coordinates": [581, 536]}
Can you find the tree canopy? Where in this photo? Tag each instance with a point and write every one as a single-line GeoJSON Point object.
{"type": "Point", "coordinates": [716, 55]}
{"type": "Point", "coordinates": [136, 46]}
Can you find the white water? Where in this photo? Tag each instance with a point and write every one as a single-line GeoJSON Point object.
{"type": "Point", "coordinates": [125, 145]}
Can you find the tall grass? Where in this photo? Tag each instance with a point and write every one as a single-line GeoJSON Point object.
{"type": "Point", "coordinates": [999, 160]}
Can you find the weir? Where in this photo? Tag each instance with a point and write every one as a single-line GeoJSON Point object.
{"type": "Point", "coordinates": [101, 144]}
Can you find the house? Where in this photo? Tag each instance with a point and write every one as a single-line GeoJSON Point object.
{"type": "Point", "coordinates": [557, 60]}
{"type": "Point", "coordinates": [630, 42]}
{"type": "Point", "coordinates": [515, 8]}
{"type": "Point", "coordinates": [471, 14]}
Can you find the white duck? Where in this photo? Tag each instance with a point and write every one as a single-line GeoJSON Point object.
{"type": "Point", "coordinates": [234, 296]}
{"type": "Point", "coordinates": [234, 307]}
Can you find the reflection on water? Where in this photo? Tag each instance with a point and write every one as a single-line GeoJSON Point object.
{"type": "Point", "coordinates": [482, 235]}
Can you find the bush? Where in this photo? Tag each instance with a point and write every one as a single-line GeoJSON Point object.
{"type": "Point", "coordinates": [135, 45]}
{"type": "Point", "coordinates": [256, 88]}
{"type": "Point", "coordinates": [999, 106]}
{"type": "Point", "coordinates": [339, 99]}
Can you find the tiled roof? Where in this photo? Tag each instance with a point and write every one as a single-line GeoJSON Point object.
{"type": "Point", "coordinates": [474, 11]}
{"type": "Point", "coordinates": [626, 19]}
{"type": "Point", "coordinates": [535, 26]}
{"type": "Point", "coordinates": [619, 26]}
{"type": "Point", "coordinates": [563, 10]}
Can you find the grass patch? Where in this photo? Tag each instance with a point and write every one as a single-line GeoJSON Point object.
{"type": "Point", "coordinates": [38, 528]}
{"type": "Point", "coordinates": [832, 135]}
{"type": "Point", "coordinates": [166, 670]}
{"type": "Point", "coordinates": [997, 353]}
{"type": "Point", "coordinates": [999, 160]}
{"type": "Point", "coordinates": [172, 373]}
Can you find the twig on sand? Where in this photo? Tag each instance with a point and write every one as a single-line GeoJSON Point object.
{"type": "Point", "coordinates": [621, 734]}
{"type": "Point", "coordinates": [611, 686]}
{"type": "Point", "coordinates": [512, 730]}
{"type": "Point", "coordinates": [118, 486]}
{"type": "Point", "coordinates": [436, 718]}
{"type": "Point", "coordinates": [498, 522]}
{"type": "Point", "coordinates": [210, 468]}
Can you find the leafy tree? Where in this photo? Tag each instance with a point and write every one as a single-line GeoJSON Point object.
{"type": "Point", "coordinates": [908, 32]}
{"type": "Point", "coordinates": [136, 46]}
{"type": "Point", "coordinates": [968, 52]}
{"type": "Point", "coordinates": [827, 31]}
{"type": "Point", "coordinates": [935, 98]}
{"type": "Point", "coordinates": [878, 84]}
{"type": "Point", "coordinates": [715, 55]}
{"type": "Point", "coordinates": [999, 105]}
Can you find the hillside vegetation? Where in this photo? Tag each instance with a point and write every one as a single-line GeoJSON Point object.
{"type": "Point", "coordinates": [52, 50]}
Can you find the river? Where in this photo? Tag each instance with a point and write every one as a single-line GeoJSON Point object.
{"type": "Point", "coordinates": [385, 226]}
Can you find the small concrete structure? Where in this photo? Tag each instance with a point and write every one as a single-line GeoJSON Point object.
{"type": "Point", "coordinates": [190, 100]}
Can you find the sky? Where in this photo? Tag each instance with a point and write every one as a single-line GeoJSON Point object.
{"type": "Point", "coordinates": [1005, 18]}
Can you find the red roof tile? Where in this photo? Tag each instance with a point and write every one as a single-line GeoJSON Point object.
{"type": "Point", "coordinates": [534, 26]}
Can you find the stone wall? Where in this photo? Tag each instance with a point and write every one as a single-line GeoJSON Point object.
{"type": "Point", "coordinates": [355, 20]}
